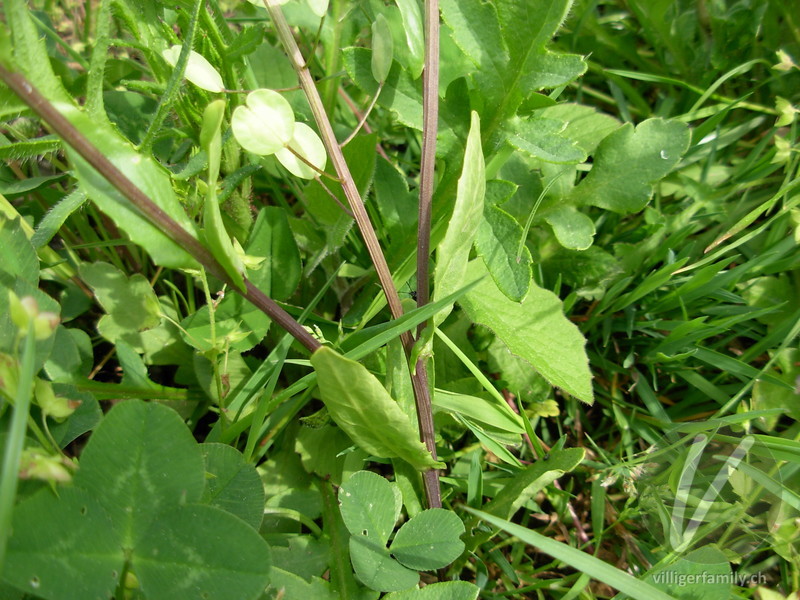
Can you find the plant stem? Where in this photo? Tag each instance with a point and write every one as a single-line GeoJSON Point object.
{"type": "Point", "coordinates": [419, 378]}
{"type": "Point", "coordinates": [16, 440]}
{"type": "Point", "coordinates": [430, 119]}
{"type": "Point", "coordinates": [151, 211]}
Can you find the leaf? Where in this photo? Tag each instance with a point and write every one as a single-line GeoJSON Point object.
{"type": "Point", "coordinates": [64, 547]}
{"type": "Point", "coordinates": [430, 540]}
{"type": "Point", "coordinates": [233, 484]}
{"type": "Point", "coordinates": [574, 230]}
{"type": "Point", "coordinates": [415, 36]}
{"type": "Point", "coordinates": [288, 585]}
{"type": "Point", "coordinates": [149, 176]}
{"type": "Point", "coordinates": [140, 461]}
{"type": "Point", "coordinates": [130, 303]}
{"type": "Point", "coordinates": [198, 70]}
{"type": "Point", "coordinates": [56, 217]}
{"type": "Point", "coordinates": [445, 590]}
{"type": "Point", "coordinates": [362, 407]}
{"type": "Point", "coordinates": [541, 138]}
{"type": "Point", "coordinates": [272, 238]}
{"type": "Point", "coordinates": [265, 125]}
{"type": "Point", "coordinates": [17, 256]}
{"type": "Point", "coordinates": [526, 28]}
{"type": "Point", "coordinates": [524, 484]}
{"type": "Point", "coordinates": [376, 568]}
{"type": "Point", "coordinates": [536, 330]}
{"type": "Point", "coordinates": [85, 418]}
{"type": "Point", "coordinates": [382, 48]}
{"type": "Point", "coordinates": [198, 551]}
{"type": "Point", "coordinates": [360, 155]}
{"type": "Point", "coordinates": [629, 162]}
{"type": "Point", "coordinates": [307, 144]}
{"type": "Point", "coordinates": [585, 563]}
{"type": "Point", "coordinates": [497, 242]}
{"type": "Point", "coordinates": [370, 506]}
{"type": "Point", "coordinates": [401, 94]}
{"type": "Point", "coordinates": [453, 252]}
{"type": "Point", "coordinates": [479, 409]}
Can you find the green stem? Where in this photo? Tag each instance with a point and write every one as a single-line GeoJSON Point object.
{"type": "Point", "coordinates": [174, 83]}
{"type": "Point", "coordinates": [430, 118]}
{"type": "Point", "coordinates": [15, 441]}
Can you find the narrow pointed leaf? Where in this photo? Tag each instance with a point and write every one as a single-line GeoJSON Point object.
{"type": "Point", "coordinates": [452, 254]}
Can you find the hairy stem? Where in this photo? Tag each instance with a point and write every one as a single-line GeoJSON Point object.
{"type": "Point", "coordinates": [151, 211]}
{"type": "Point", "coordinates": [419, 378]}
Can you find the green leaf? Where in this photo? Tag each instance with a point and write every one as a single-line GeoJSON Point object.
{"type": "Point", "coordinates": [629, 162]}
{"type": "Point", "coordinates": [48, 227]}
{"type": "Point", "coordinates": [430, 540]}
{"type": "Point", "coordinates": [524, 484]}
{"type": "Point", "coordinates": [708, 568]}
{"type": "Point", "coordinates": [497, 242]}
{"type": "Point", "coordinates": [585, 563]}
{"type": "Point", "coordinates": [479, 409]}
{"type": "Point", "coordinates": [401, 94]}
{"type": "Point", "coordinates": [17, 256]}
{"type": "Point", "coordinates": [64, 547]}
{"type": "Point", "coordinates": [150, 177]}
{"type": "Point", "coordinates": [233, 484]}
{"type": "Point", "coordinates": [382, 48]}
{"type": "Point", "coordinates": [370, 506]}
{"type": "Point", "coordinates": [536, 330]}
{"type": "Point", "coordinates": [272, 238]}
{"type": "Point", "coordinates": [288, 585]}
{"type": "Point", "coordinates": [85, 418]}
{"type": "Point", "coordinates": [415, 35]}
{"type": "Point", "coordinates": [140, 461]}
{"type": "Point", "coordinates": [198, 551]}
{"type": "Point", "coordinates": [453, 252]}
{"type": "Point", "coordinates": [360, 155]}
{"type": "Point", "coordinates": [526, 29]}
{"type": "Point", "coordinates": [376, 568]}
{"type": "Point", "coordinates": [573, 229]}
{"type": "Point", "coordinates": [445, 590]}
{"type": "Point", "coordinates": [265, 124]}
{"type": "Point", "coordinates": [362, 407]}
{"type": "Point", "coordinates": [542, 138]}
{"type": "Point", "coordinates": [130, 303]}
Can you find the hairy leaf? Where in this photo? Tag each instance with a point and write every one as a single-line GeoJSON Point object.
{"type": "Point", "coordinates": [535, 329]}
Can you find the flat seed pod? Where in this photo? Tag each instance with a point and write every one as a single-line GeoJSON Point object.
{"type": "Point", "coordinates": [198, 70]}
{"type": "Point", "coordinates": [265, 125]}
{"type": "Point", "coordinates": [307, 144]}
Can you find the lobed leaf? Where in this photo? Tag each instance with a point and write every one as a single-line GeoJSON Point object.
{"type": "Point", "coordinates": [629, 162]}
